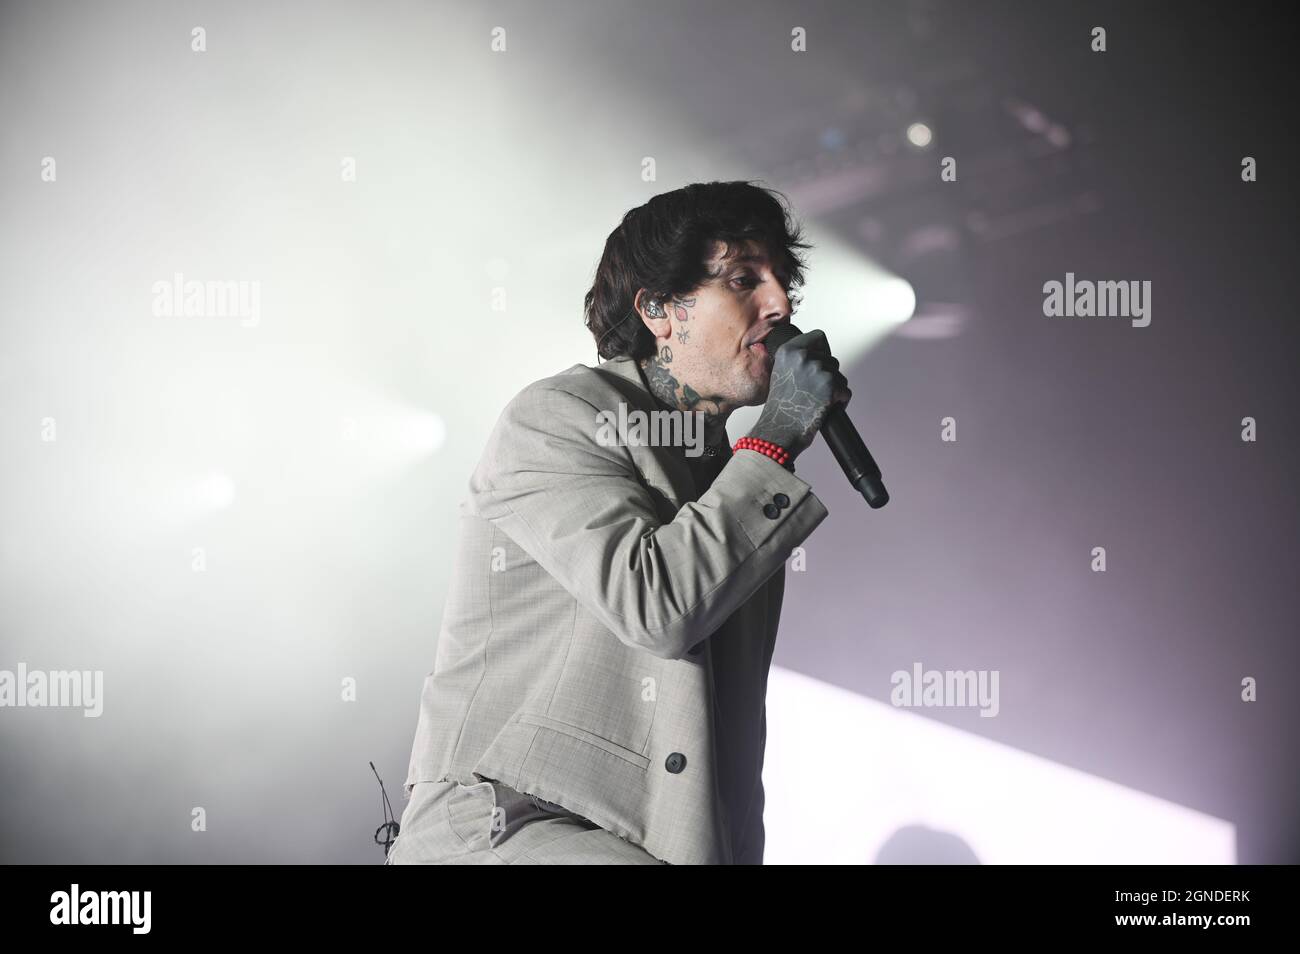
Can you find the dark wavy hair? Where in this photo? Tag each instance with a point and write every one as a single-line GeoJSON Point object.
{"type": "Point", "coordinates": [663, 247]}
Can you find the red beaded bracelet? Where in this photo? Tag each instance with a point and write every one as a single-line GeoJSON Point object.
{"type": "Point", "coordinates": [774, 451]}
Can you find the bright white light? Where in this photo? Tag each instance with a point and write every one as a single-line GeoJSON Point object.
{"type": "Point", "coordinates": [215, 491]}
{"type": "Point", "coordinates": [918, 134]}
{"type": "Point", "coordinates": [422, 434]}
{"type": "Point", "coordinates": [382, 434]}
{"type": "Point", "coordinates": [896, 300]}
{"type": "Point", "coordinates": [843, 774]}
{"type": "Point", "coordinates": [851, 298]}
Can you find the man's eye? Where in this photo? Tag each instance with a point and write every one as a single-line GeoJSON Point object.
{"type": "Point", "coordinates": [744, 278]}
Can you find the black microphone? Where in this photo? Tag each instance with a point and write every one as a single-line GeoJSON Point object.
{"type": "Point", "coordinates": [858, 464]}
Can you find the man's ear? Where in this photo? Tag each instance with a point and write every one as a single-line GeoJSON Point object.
{"type": "Point", "coordinates": [653, 314]}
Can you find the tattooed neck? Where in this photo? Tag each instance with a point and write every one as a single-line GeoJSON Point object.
{"type": "Point", "coordinates": [677, 395]}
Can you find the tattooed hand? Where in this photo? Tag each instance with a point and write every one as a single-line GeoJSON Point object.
{"type": "Point", "coordinates": [806, 382]}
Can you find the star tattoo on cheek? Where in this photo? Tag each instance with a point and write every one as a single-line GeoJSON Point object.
{"type": "Point", "coordinates": [682, 335]}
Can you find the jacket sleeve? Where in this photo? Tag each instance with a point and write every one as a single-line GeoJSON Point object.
{"type": "Point", "coordinates": [583, 512]}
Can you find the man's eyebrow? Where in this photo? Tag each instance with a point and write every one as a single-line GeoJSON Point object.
{"type": "Point", "coordinates": [752, 258]}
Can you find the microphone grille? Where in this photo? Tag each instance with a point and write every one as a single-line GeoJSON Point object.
{"type": "Point", "coordinates": [780, 334]}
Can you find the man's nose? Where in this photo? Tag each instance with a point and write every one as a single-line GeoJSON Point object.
{"type": "Point", "coordinates": [776, 306]}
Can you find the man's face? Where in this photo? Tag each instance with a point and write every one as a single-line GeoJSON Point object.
{"type": "Point", "coordinates": [706, 340]}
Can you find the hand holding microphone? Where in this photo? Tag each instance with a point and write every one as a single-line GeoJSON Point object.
{"type": "Point", "coordinates": [807, 394]}
{"type": "Point", "coordinates": [805, 384]}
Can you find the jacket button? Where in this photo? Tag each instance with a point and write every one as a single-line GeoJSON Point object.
{"type": "Point", "coordinates": [772, 511]}
{"type": "Point", "coordinates": [675, 762]}
{"type": "Point", "coordinates": [781, 500]}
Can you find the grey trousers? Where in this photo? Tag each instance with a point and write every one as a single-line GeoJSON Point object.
{"type": "Point", "coordinates": [448, 823]}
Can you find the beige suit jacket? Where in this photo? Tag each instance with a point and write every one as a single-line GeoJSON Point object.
{"type": "Point", "coordinates": [608, 632]}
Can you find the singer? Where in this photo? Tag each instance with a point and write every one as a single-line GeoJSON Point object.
{"type": "Point", "coordinates": [598, 692]}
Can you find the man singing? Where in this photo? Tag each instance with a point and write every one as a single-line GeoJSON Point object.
{"type": "Point", "coordinates": [598, 693]}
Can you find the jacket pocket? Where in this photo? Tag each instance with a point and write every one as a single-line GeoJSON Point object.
{"type": "Point", "coordinates": [472, 814]}
{"type": "Point", "coordinates": [583, 735]}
